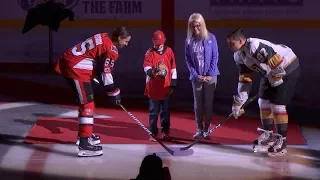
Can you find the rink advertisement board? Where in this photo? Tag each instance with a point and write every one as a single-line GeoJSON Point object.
{"type": "Point", "coordinates": [91, 16]}
{"type": "Point", "coordinates": [90, 9]}
{"type": "Point", "coordinates": [249, 9]}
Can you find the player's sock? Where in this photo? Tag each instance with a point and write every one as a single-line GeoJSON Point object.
{"type": "Point", "coordinates": [85, 130]}
{"type": "Point", "coordinates": [86, 120]}
{"type": "Point", "coordinates": [86, 148]}
{"type": "Point", "coordinates": [281, 119]}
{"type": "Point", "coordinates": [265, 140]}
{"type": "Point", "coordinates": [267, 119]}
{"type": "Point", "coordinates": [282, 124]}
{"type": "Point", "coordinates": [279, 148]}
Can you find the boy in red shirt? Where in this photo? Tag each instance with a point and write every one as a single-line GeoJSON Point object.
{"type": "Point", "coordinates": [160, 68]}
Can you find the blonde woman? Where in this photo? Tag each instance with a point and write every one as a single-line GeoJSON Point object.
{"type": "Point", "coordinates": [201, 57]}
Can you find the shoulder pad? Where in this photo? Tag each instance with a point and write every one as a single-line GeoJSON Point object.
{"type": "Point", "coordinates": [114, 49]}
{"type": "Point", "coordinates": [113, 52]}
{"type": "Point", "coordinates": [254, 44]}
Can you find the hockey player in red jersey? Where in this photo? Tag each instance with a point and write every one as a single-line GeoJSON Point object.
{"type": "Point", "coordinates": [280, 71]}
{"type": "Point", "coordinates": [161, 78]}
{"type": "Point", "coordinates": [91, 59]}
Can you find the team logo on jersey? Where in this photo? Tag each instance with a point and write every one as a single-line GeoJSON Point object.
{"type": "Point", "coordinates": [163, 69]}
{"type": "Point", "coordinates": [114, 49]}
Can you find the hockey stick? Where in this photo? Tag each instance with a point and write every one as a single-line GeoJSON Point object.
{"type": "Point", "coordinates": [147, 130]}
{"type": "Point", "coordinates": [143, 126]}
{"type": "Point", "coordinates": [220, 123]}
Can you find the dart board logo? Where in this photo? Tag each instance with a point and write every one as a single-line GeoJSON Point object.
{"type": "Point", "coordinates": [27, 4]}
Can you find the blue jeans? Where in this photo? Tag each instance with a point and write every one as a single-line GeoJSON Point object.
{"type": "Point", "coordinates": [154, 107]}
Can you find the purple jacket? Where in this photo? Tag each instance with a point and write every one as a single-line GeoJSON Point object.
{"type": "Point", "coordinates": [211, 58]}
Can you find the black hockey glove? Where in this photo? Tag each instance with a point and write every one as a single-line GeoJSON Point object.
{"type": "Point", "coordinates": [114, 94]}
{"type": "Point", "coordinates": [115, 100]}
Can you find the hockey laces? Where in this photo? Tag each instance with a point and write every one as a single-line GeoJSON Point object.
{"type": "Point", "coordinates": [265, 135]}
{"type": "Point", "coordinates": [278, 142]}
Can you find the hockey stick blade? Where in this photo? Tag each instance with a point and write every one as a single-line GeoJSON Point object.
{"type": "Point", "coordinates": [218, 125]}
{"type": "Point", "coordinates": [143, 127]}
{"type": "Point", "coordinates": [210, 131]}
{"type": "Point", "coordinates": [170, 151]}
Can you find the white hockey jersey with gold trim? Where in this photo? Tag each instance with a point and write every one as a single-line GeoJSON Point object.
{"type": "Point", "coordinates": [272, 60]}
{"type": "Point", "coordinates": [265, 57]}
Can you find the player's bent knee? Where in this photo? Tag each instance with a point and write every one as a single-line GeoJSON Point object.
{"type": "Point", "coordinates": [280, 113]}
{"type": "Point", "coordinates": [86, 109]}
{"type": "Point", "coordinates": [265, 109]}
{"type": "Point", "coordinates": [278, 109]}
{"type": "Point", "coordinates": [86, 112]}
{"type": "Point", "coordinates": [264, 104]}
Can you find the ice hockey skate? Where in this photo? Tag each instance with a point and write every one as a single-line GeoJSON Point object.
{"type": "Point", "coordinates": [88, 150]}
{"type": "Point", "coordinates": [264, 141]}
{"type": "Point", "coordinates": [279, 148]}
{"type": "Point", "coordinates": [93, 140]}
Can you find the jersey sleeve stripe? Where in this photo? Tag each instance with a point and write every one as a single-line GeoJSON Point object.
{"type": "Point", "coordinates": [86, 63]}
{"type": "Point", "coordinates": [275, 61]}
{"type": "Point", "coordinates": [173, 73]}
{"type": "Point", "coordinates": [147, 68]}
{"type": "Point", "coordinates": [107, 79]}
{"type": "Point", "coordinates": [245, 77]}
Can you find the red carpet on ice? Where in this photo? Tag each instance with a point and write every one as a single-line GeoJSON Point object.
{"type": "Point", "coordinates": [121, 129]}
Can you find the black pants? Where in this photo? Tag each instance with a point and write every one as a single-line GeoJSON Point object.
{"type": "Point", "coordinates": [282, 94]}
{"type": "Point", "coordinates": [156, 106]}
{"type": "Point", "coordinates": [82, 91]}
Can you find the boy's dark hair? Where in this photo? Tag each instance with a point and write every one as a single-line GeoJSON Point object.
{"type": "Point", "coordinates": [236, 34]}
{"type": "Point", "coordinates": [121, 31]}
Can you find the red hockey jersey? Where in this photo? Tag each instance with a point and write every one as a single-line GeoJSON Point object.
{"type": "Point", "coordinates": [158, 88]}
{"type": "Point", "coordinates": [91, 58]}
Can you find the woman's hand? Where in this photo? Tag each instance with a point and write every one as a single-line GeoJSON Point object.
{"type": "Point", "coordinates": [207, 79]}
{"type": "Point", "coordinates": [201, 78]}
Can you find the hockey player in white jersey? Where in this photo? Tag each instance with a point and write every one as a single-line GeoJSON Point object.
{"type": "Point", "coordinates": [280, 71]}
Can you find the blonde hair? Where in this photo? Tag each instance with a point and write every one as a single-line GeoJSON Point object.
{"type": "Point", "coordinates": [197, 17]}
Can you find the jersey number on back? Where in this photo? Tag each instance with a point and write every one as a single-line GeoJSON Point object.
{"type": "Point", "coordinates": [87, 45]}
